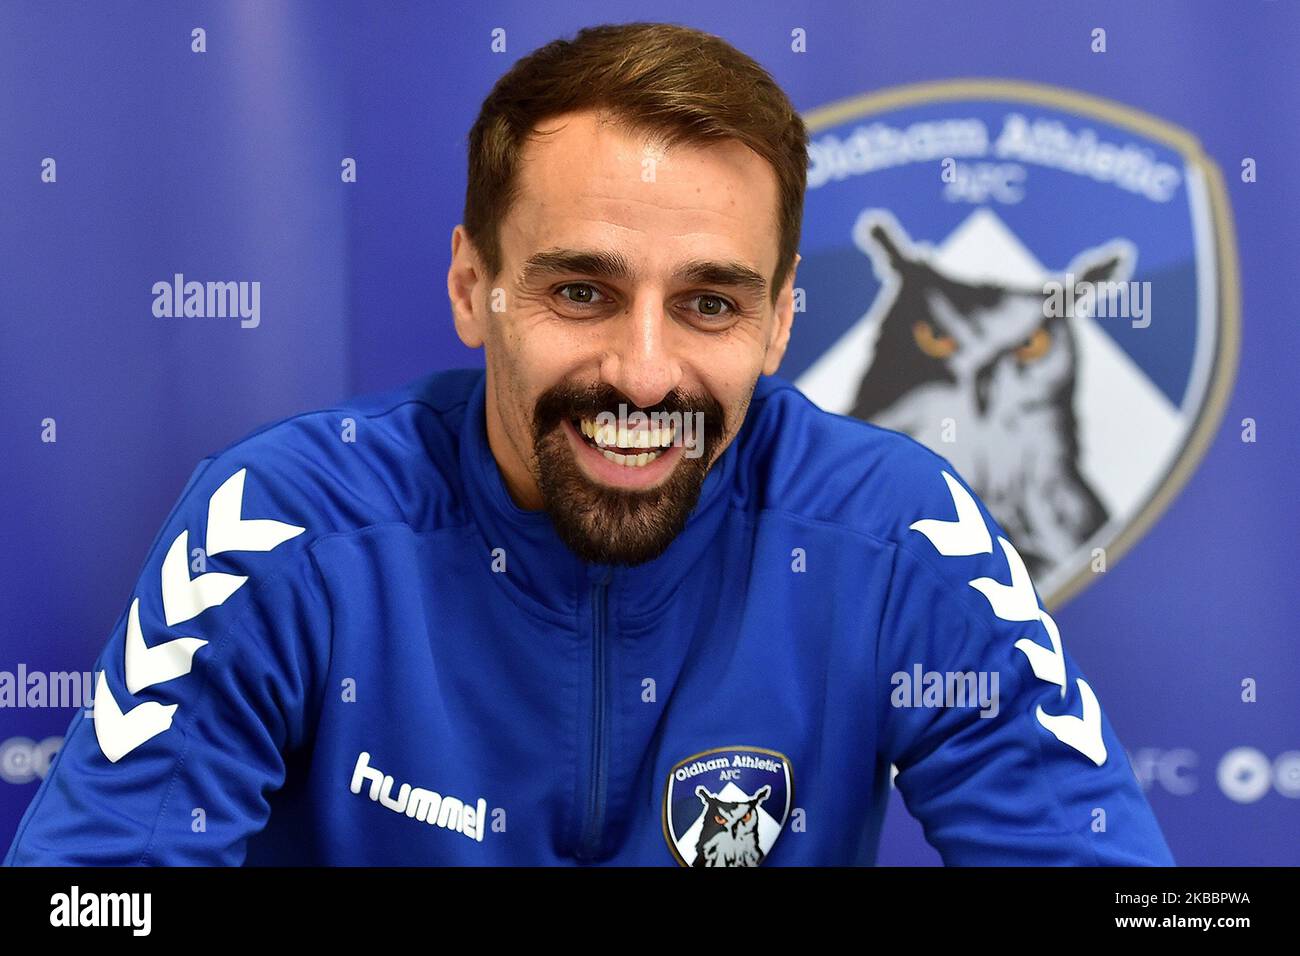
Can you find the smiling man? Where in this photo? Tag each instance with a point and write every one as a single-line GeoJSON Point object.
{"type": "Point", "coordinates": [608, 599]}
{"type": "Point", "coordinates": [636, 278]}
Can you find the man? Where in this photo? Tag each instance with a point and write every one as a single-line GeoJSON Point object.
{"type": "Point", "coordinates": [624, 597]}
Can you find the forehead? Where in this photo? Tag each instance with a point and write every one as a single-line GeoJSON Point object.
{"type": "Point", "coordinates": [585, 182]}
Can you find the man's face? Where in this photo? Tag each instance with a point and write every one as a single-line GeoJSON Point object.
{"type": "Point", "coordinates": [632, 276]}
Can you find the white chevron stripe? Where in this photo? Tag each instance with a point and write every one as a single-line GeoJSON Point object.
{"type": "Point", "coordinates": [146, 666]}
{"type": "Point", "coordinates": [183, 597]}
{"type": "Point", "coordinates": [1081, 733]}
{"type": "Point", "coordinates": [1015, 601]}
{"type": "Point", "coordinates": [227, 531]}
{"type": "Point", "coordinates": [1047, 664]}
{"type": "Point", "coordinates": [120, 733]}
{"type": "Point", "coordinates": [967, 535]}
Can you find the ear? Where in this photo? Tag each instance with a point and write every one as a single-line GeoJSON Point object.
{"type": "Point", "coordinates": [464, 281]}
{"type": "Point", "coordinates": [763, 793]}
{"type": "Point", "coordinates": [1113, 261]}
{"type": "Point", "coordinates": [877, 231]}
{"type": "Point", "coordinates": [780, 336]}
{"type": "Point", "coordinates": [703, 795]}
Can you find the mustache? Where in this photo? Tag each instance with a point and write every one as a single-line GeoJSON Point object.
{"type": "Point", "coordinates": [575, 401]}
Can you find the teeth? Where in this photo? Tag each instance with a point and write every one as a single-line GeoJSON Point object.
{"type": "Point", "coordinates": [630, 461]}
{"type": "Point", "coordinates": [610, 436]}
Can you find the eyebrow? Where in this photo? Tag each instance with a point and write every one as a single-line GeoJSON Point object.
{"type": "Point", "coordinates": [614, 265]}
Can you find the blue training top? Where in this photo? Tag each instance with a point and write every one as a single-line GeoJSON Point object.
{"type": "Point", "coordinates": [378, 658]}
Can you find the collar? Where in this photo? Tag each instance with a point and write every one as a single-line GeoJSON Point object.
{"type": "Point", "coordinates": [542, 574]}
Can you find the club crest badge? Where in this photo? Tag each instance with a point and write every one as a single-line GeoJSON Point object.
{"type": "Point", "coordinates": [1039, 285]}
{"type": "Point", "coordinates": [727, 806]}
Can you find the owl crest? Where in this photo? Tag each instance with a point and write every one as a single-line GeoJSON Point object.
{"type": "Point", "coordinates": [729, 835]}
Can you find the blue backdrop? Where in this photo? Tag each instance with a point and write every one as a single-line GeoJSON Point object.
{"type": "Point", "coordinates": [225, 165]}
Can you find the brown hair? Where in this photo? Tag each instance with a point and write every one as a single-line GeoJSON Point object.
{"type": "Point", "coordinates": [676, 83]}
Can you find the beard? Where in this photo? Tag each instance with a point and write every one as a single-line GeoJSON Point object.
{"type": "Point", "coordinates": [605, 525]}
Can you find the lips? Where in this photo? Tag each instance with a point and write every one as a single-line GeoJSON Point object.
{"type": "Point", "coordinates": [603, 466]}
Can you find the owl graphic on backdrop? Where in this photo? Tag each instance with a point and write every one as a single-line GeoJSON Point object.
{"type": "Point", "coordinates": [984, 374]}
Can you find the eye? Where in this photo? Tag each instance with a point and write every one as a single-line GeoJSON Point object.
{"type": "Point", "coordinates": [713, 306]}
{"type": "Point", "coordinates": [1034, 347]}
{"type": "Point", "coordinates": [587, 293]}
{"type": "Point", "coordinates": [932, 343]}
{"type": "Point", "coordinates": [746, 818]}
{"type": "Point", "coordinates": [719, 819]}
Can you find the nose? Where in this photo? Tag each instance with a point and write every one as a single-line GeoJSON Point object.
{"type": "Point", "coordinates": [639, 359]}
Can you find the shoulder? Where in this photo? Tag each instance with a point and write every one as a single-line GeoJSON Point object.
{"type": "Point", "coordinates": [375, 458]}
{"type": "Point", "coordinates": [945, 543]}
{"type": "Point", "coordinates": [837, 469]}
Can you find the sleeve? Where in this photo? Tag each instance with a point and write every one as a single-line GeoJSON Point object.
{"type": "Point", "coordinates": [206, 682]}
{"type": "Point", "coordinates": [1004, 754]}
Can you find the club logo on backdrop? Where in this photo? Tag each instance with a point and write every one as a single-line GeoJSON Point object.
{"type": "Point", "coordinates": [1038, 285]}
{"type": "Point", "coordinates": [726, 807]}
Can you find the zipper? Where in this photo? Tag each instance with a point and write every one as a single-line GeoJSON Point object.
{"type": "Point", "coordinates": [590, 845]}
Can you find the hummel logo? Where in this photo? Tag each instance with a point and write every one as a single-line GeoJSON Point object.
{"type": "Point", "coordinates": [426, 806]}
